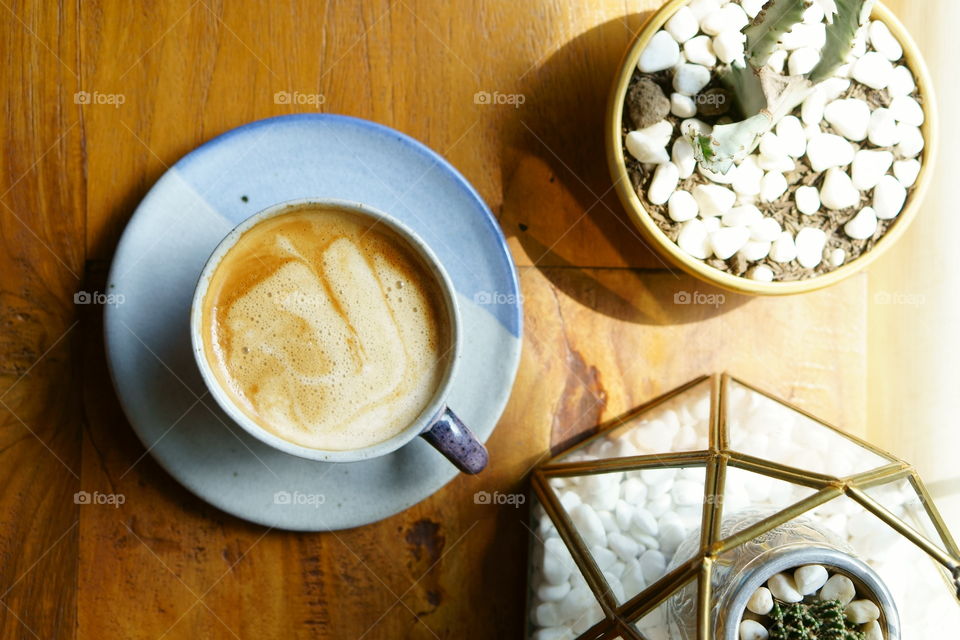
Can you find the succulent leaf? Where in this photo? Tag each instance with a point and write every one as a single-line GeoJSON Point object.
{"type": "Point", "coordinates": [729, 143]}
{"type": "Point", "coordinates": [841, 34]}
{"type": "Point", "coordinates": [745, 87]}
{"type": "Point", "coordinates": [775, 19]}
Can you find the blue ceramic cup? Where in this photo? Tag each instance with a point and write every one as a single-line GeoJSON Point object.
{"type": "Point", "coordinates": [437, 423]}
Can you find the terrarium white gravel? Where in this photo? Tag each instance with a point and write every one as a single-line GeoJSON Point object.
{"type": "Point", "coordinates": [633, 522]}
{"type": "Point", "coordinates": [867, 151]}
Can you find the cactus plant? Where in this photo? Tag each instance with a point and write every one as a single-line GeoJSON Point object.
{"type": "Point", "coordinates": [818, 620]}
{"type": "Point", "coordinates": [765, 96]}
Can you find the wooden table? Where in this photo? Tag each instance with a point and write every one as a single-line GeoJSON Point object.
{"type": "Point", "coordinates": [602, 330]}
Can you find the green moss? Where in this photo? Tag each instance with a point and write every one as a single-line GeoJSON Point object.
{"type": "Point", "coordinates": [819, 620]}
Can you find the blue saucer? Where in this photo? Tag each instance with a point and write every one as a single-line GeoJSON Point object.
{"type": "Point", "coordinates": [165, 245]}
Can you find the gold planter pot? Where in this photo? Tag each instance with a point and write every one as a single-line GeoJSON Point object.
{"type": "Point", "coordinates": [669, 249]}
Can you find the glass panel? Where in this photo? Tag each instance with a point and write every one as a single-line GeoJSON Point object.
{"type": "Point", "coordinates": [762, 427]}
{"type": "Point", "coordinates": [633, 522]}
{"type": "Point", "coordinates": [920, 587]}
{"type": "Point", "coordinates": [749, 490]}
{"type": "Point", "coordinates": [559, 596]}
{"type": "Point", "coordinates": [681, 423]}
{"type": "Point", "coordinates": [902, 499]}
{"type": "Point", "coordinates": [674, 618]}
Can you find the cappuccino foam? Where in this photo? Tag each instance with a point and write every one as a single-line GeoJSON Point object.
{"type": "Point", "coordinates": [326, 329]}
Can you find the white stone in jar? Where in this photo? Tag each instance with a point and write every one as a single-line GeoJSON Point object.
{"type": "Point", "coordinates": [682, 156]}
{"type": "Point", "coordinates": [603, 557]}
{"type": "Point", "coordinates": [850, 117]}
{"type": "Point", "coordinates": [650, 145]}
{"type": "Point", "coordinates": [730, 17]}
{"type": "Point", "coordinates": [873, 70]}
{"type": "Point", "coordinates": [761, 273]}
{"type": "Point", "coordinates": [772, 186]}
{"type": "Point", "coordinates": [802, 61]}
{"type": "Point", "coordinates": [653, 564]}
{"type": "Point", "coordinates": [901, 82]}
{"type": "Point", "coordinates": [810, 243]}
{"type": "Point", "coordinates": [808, 200]}
{"type": "Point", "coordinates": [783, 588]}
{"type": "Point", "coordinates": [742, 216]}
{"type": "Point", "coordinates": [884, 41]}
{"type": "Point", "coordinates": [837, 257]}
{"type": "Point", "coordinates": [911, 141]}
{"type": "Point", "coordinates": [689, 79]}
{"type": "Point", "coordinates": [726, 241]}
{"type": "Point", "coordinates": [862, 611]}
{"type": "Point", "coordinates": [777, 60]}
{"type": "Point", "coordinates": [809, 578]}
{"type": "Point", "coordinates": [682, 106]}
{"type": "Point", "coordinates": [838, 587]}
{"type": "Point", "coordinates": [548, 614]}
{"type": "Point", "coordinates": [907, 110]}
{"type": "Point", "coordinates": [683, 25]}
{"type": "Point", "coordinates": [714, 200]}
{"type": "Point", "coordinates": [661, 53]}
{"type": "Point", "coordinates": [882, 130]}
{"type": "Point", "coordinates": [747, 177]}
{"type": "Point", "coordinates": [699, 50]}
{"type": "Point", "coordinates": [553, 592]}
{"type": "Point", "coordinates": [553, 633]}
{"type": "Point", "coordinates": [589, 525]}
{"type": "Point", "coordinates": [625, 547]}
{"type": "Point", "coordinates": [681, 206]}
{"type": "Point", "coordinates": [790, 134]}
{"type": "Point", "coordinates": [869, 167]}
{"type": "Point", "coordinates": [838, 191]}
{"type": "Point", "coordinates": [645, 523]}
{"type": "Point", "coordinates": [765, 230]}
{"type": "Point", "coordinates": [753, 630]}
{"type": "Point", "coordinates": [872, 631]}
{"type": "Point", "coordinates": [826, 150]}
{"type": "Point", "coordinates": [907, 171]}
{"type": "Point", "coordinates": [783, 248]}
{"type": "Point", "coordinates": [888, 198]}
{"type": "Point", "coordinates": [664, 183]}
{"type": "Point", "coordinates": [729, 46]}
{"type": "Point", "coordinates": [761, 602]}
{"type": "Point", "coordinates": [634, 491]}
{"type": "Point", "coordinates": [755, 250]}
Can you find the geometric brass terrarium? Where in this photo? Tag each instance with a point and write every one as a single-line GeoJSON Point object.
{"type": "Point", "coordinates": [658, 526]}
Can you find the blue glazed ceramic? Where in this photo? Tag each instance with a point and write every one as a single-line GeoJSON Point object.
{"type": "Point", "coordinates": [175, 229]}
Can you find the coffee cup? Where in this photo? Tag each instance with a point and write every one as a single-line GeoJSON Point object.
{"type": "Point", "coordinates": [329, 330]}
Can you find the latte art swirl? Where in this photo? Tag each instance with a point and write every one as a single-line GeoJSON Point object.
{"type": "Point", "coordinates": [326, 329]}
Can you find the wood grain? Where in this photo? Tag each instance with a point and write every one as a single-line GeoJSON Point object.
{"type": "Point", "coordinates": [604, 330]}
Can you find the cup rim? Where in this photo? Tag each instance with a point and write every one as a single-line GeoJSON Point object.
{"type": "Point", "coordinates": [417, 426]}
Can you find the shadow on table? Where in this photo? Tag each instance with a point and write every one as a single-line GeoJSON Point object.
{"type": "Point", "coordinates": [559, 201]}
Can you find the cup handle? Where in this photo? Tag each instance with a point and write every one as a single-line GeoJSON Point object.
{"type": "Point", "coordinates": [452, 438]}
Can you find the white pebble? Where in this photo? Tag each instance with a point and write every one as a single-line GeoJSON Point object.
{"type": "Point", "coordinates": [626, 548]}
{"type": "Point", "coordinates": [772, 186]}
{"type": "Point", "coordinates": [888, 198]}
{"type": "Point", "coordinates": [553, 592]}
{"type": "Point", "coordinates": [650, 145]}
{"type": "Point", "coordinates": [589, 525]}
{"type": "Point", "coordinates": [755, 250]}
{"type": "Point", "coordinates": [753, 630]}
{"type": "Point", "coordinates": [810, 578]}
{"type": "Point", "coordinates": [783, 588]}
{"type": "Point", "coordinates": [838, 191]}
{"type": "Point", "coordinates": [653, 565]}
{"type": "Point", "coordinates": [873, 70]}
{"type": "Point", "coordinates": [748, 177]}
{"type": "Point", "coordinates": [699, 50]}
{"type": "Point", "coordinates": [553, 633]}
{"type": "Point", "coordinates": [603, 557]}
{"type": "Point", "coordinates": [862, 611]}
{"type": "Point", "coordinates": [810, 243]}
{"type": "Point", "coordinates": [664, 183]}
{"type": "Point", "coordinates": [901, 82]}
{"type": "Point", "coordinates": [906, 171]}
{"type": "Point", "coordinates": [742, 216]}
{"type": "Point", "coordinates": [837, 257]}
{"type": "Point", "coordinates": [634, 491]}
{"type": "Point", "coordinates": [884, 42]}
{"type": "Point", "coordinates": [802, 61]}
{"type": "Point", "coordinates": [683, 25]}
{"type": "Point", "coordinates": [557, 561]}
{"type": "Point", "coordinates": [729, 46]}
{"type": "Point", "coordinates": [911, 141]}
{"type": "Point", "coordinates": [863, 225]}
{"type": "Point", "coordinates": [790, 133]}
{"type": "Point", "coordinates": [577, 603]}
{"type": "Point", "coordinates": [777, 60]}
{"type": "Point", "coordinates": [682, 106]}
{"type": "Point", "coordinates": [765, 230]}
{"type": "Point", "coordinates": [672, 534]}
{"type": "Point", "coordinates": [808, 200]}
{"type": "Point", "coordinates": [813, 14]}
{"type": "Point", "coordinates": [689, 79]}
{"type": "Point", "coordinates": [783, 248]}
{"type": "Point", "coordinates": [868, 167]}
{"type": "Point", "coordinates": [695, 239]}
{"type": "Point", "coordinates": [547, 614]}
{"type": "Point", "coordinates": [682, 156]}
{"type": "Point", "coordinates": [811, 111]}
{"type": "Point", "coordinates": [661, 53]}
{"type": "Point", "coordinates": [882, 130]}
{"type": "Point", "coordinates": [714, 200]}
{"type": "Point", "coordinates": [849, 117]}
{"type": "Point", "coordinates": [827, 150]}
{"type": "Point", "coordinates": [682, 206]}
{"type": "Point", "coordinates": [812, 36]}
{"type": "Point", "coordinates": [761, 273]}
{"type": "Point", "coordinates": [632, 580]}
{"type": "Point", "coordinates": [623, 514]}
{"type": "Point", "coordinates": [730, 17]}
{"type": "Point", "coordinates": [690, 492]}
{"type": "Point", "coordinates": [872, 631]}
{"type": "Point", "coordinates": [907, 110]}
{"type": "Point", "coordinates": [725, 242]}
{"type": "Point", "coordinates": [838, 587]}
{"type": "Point", "coordinates": [761, 602]}
{"type": "Point", "coordinates": [645, 523]}
{"type": "Point", "coordinates": [695, 124]}
{"type": "Point", "coordinates": [701, 8]}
